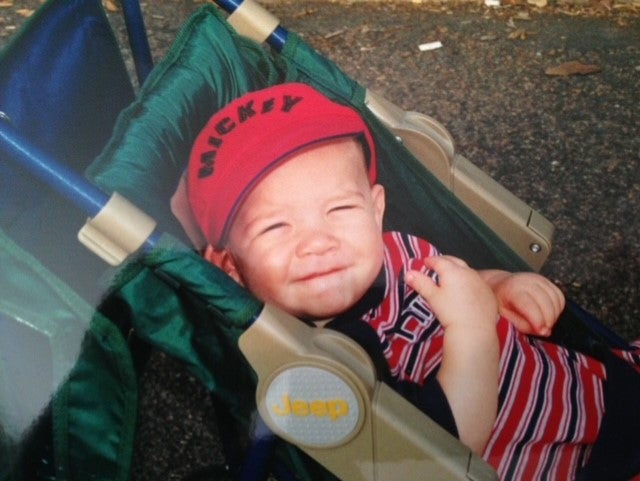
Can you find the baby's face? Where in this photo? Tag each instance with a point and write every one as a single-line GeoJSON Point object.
{"type": "Point", "coordinates": [308, 237]}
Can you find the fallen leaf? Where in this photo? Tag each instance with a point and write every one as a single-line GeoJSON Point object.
{"type": "Point", "coordinates": [335, 33]}
{"type": "Point", "coordinates": [538, 3]}
{"type": "Point", "coordinates": [572, 68]}
{"type": "Point", "coordinates": [306, 12]}
{"type": "Point", "coordinates": [613, 165]}
{"type": "Point", "coordinates": [518, 34]}
{"type": "Point", "coordinates": [112, 6]}
{"type": "Point", "coordinates": [25, 12]}
{"type": "Point", "coordinates": [6, 4]}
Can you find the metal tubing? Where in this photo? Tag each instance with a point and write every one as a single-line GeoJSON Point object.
{"type": "Point", "coordinates": [65, 181]}
{"type": "Point", "coordinates": [229, 5]}
{"type": "Point", "coordinates": [138, 40]}
{"type": "Point", "coordinates": [59, 177]}
{"type": "Point", "coordinates": [278, 38]}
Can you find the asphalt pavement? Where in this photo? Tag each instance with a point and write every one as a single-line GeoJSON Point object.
{"type": "Point", "coordinates": [567, 145]}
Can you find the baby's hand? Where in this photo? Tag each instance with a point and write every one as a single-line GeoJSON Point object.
{"type": "Point", "coordinates": [460, 297]}
{"type": "Point", "coordinates": [530, 301]}
{"type": "Point", "coordinates": [468, 374]}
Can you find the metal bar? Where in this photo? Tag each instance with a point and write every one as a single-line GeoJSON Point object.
{"type": "Point", "coordinates": [65, 181]}
{"type": "Point", "coordinates": [59, 177]}
{"type": "Point", "coordinates": [138, 40]}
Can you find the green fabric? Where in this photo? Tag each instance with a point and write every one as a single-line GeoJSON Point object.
{"type": "Point", "coordinates": [188, 308]}
{"type": "Point", "coordinates": [93, 379]}
{"type": "Point", "coordinates": [94, 413]}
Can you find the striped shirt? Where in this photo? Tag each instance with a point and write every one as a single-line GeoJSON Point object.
{"type": "Point", "coordinates": [551, 400]}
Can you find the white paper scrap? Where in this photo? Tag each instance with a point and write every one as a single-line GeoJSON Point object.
{"type": "Point", "coordinates": [430, 46]}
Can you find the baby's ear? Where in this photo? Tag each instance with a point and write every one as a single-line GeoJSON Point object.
{"type": "Point", "coordinates": [379, 202]}
{"type": "Point", "coordinates": [222, 259]}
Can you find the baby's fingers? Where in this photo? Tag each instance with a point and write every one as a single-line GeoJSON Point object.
{"type": "Point", "coordinates": [527, 315]}
{"type": "Point", "coordinates": [422, 283]}
{"type": "Point", "coordinates": [437, 263]}
{"type": "Point", "coordinates": [545, 303]}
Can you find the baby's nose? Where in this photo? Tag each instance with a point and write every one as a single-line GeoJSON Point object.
{"type": "Point", "coordinates": [317, 242]}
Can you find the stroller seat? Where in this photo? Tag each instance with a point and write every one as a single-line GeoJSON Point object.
{"type": "Point", "coordinates": [180, 304]}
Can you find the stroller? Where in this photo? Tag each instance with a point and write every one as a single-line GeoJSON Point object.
{"type": "Point", "coordinates": [160, 293]}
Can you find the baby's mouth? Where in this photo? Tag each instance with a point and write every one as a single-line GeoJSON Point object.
{"type": "Point", "coordinates": [320, 274]}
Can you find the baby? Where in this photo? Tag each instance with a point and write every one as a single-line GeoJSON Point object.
{"type": "Point", "coordinates": [282, 183]}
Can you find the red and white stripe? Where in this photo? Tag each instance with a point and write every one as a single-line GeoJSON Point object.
{"type": "Point", "coordinates": [551, 399]}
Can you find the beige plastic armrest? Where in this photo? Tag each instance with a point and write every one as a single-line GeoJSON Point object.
{"type": "Point", "coordinates": [525, 230]}
{"type": "Point", "coordinates": [317, 389]}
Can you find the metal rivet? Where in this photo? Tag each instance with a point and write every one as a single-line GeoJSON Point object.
{"type": "Point", "coordinates": [535, 248]}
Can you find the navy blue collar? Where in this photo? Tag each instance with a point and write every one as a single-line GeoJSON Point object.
{"type": "Point", "coordinates": [371, 299]}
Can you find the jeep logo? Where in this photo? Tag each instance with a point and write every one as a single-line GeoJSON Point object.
{"type": "Point", "coordinates": [331, 408]}
{"type": "Point", "coordinates": [311, 406]}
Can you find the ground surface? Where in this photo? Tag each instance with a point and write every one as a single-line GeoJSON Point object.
{"type": "Point", "coordinates": [568, 145]}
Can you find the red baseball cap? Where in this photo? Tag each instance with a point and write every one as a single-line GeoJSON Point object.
{"type": "Point", "coordinates": [253, 135]}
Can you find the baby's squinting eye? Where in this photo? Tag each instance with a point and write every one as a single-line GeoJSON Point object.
{"type": "Point", "coordinates": [341, 208]}
{"type": "Point", "coordinates": [272, 227]}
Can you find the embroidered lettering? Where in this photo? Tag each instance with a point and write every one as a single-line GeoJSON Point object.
{"type": "Point", "coordinates": [205, 171]}
{"type": "Point", "coordinates": [268, 106]}
{"type": "Point", "coordinates": [245, 112]}
{"type": "Point", "coordinates": [207, 159]}
{"type": "Point", "coordinates": [290, 102]}
{"type": "Point", "coordinates": [215, 141]}
{"type": "Point", "coordinates": [225, 126]}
